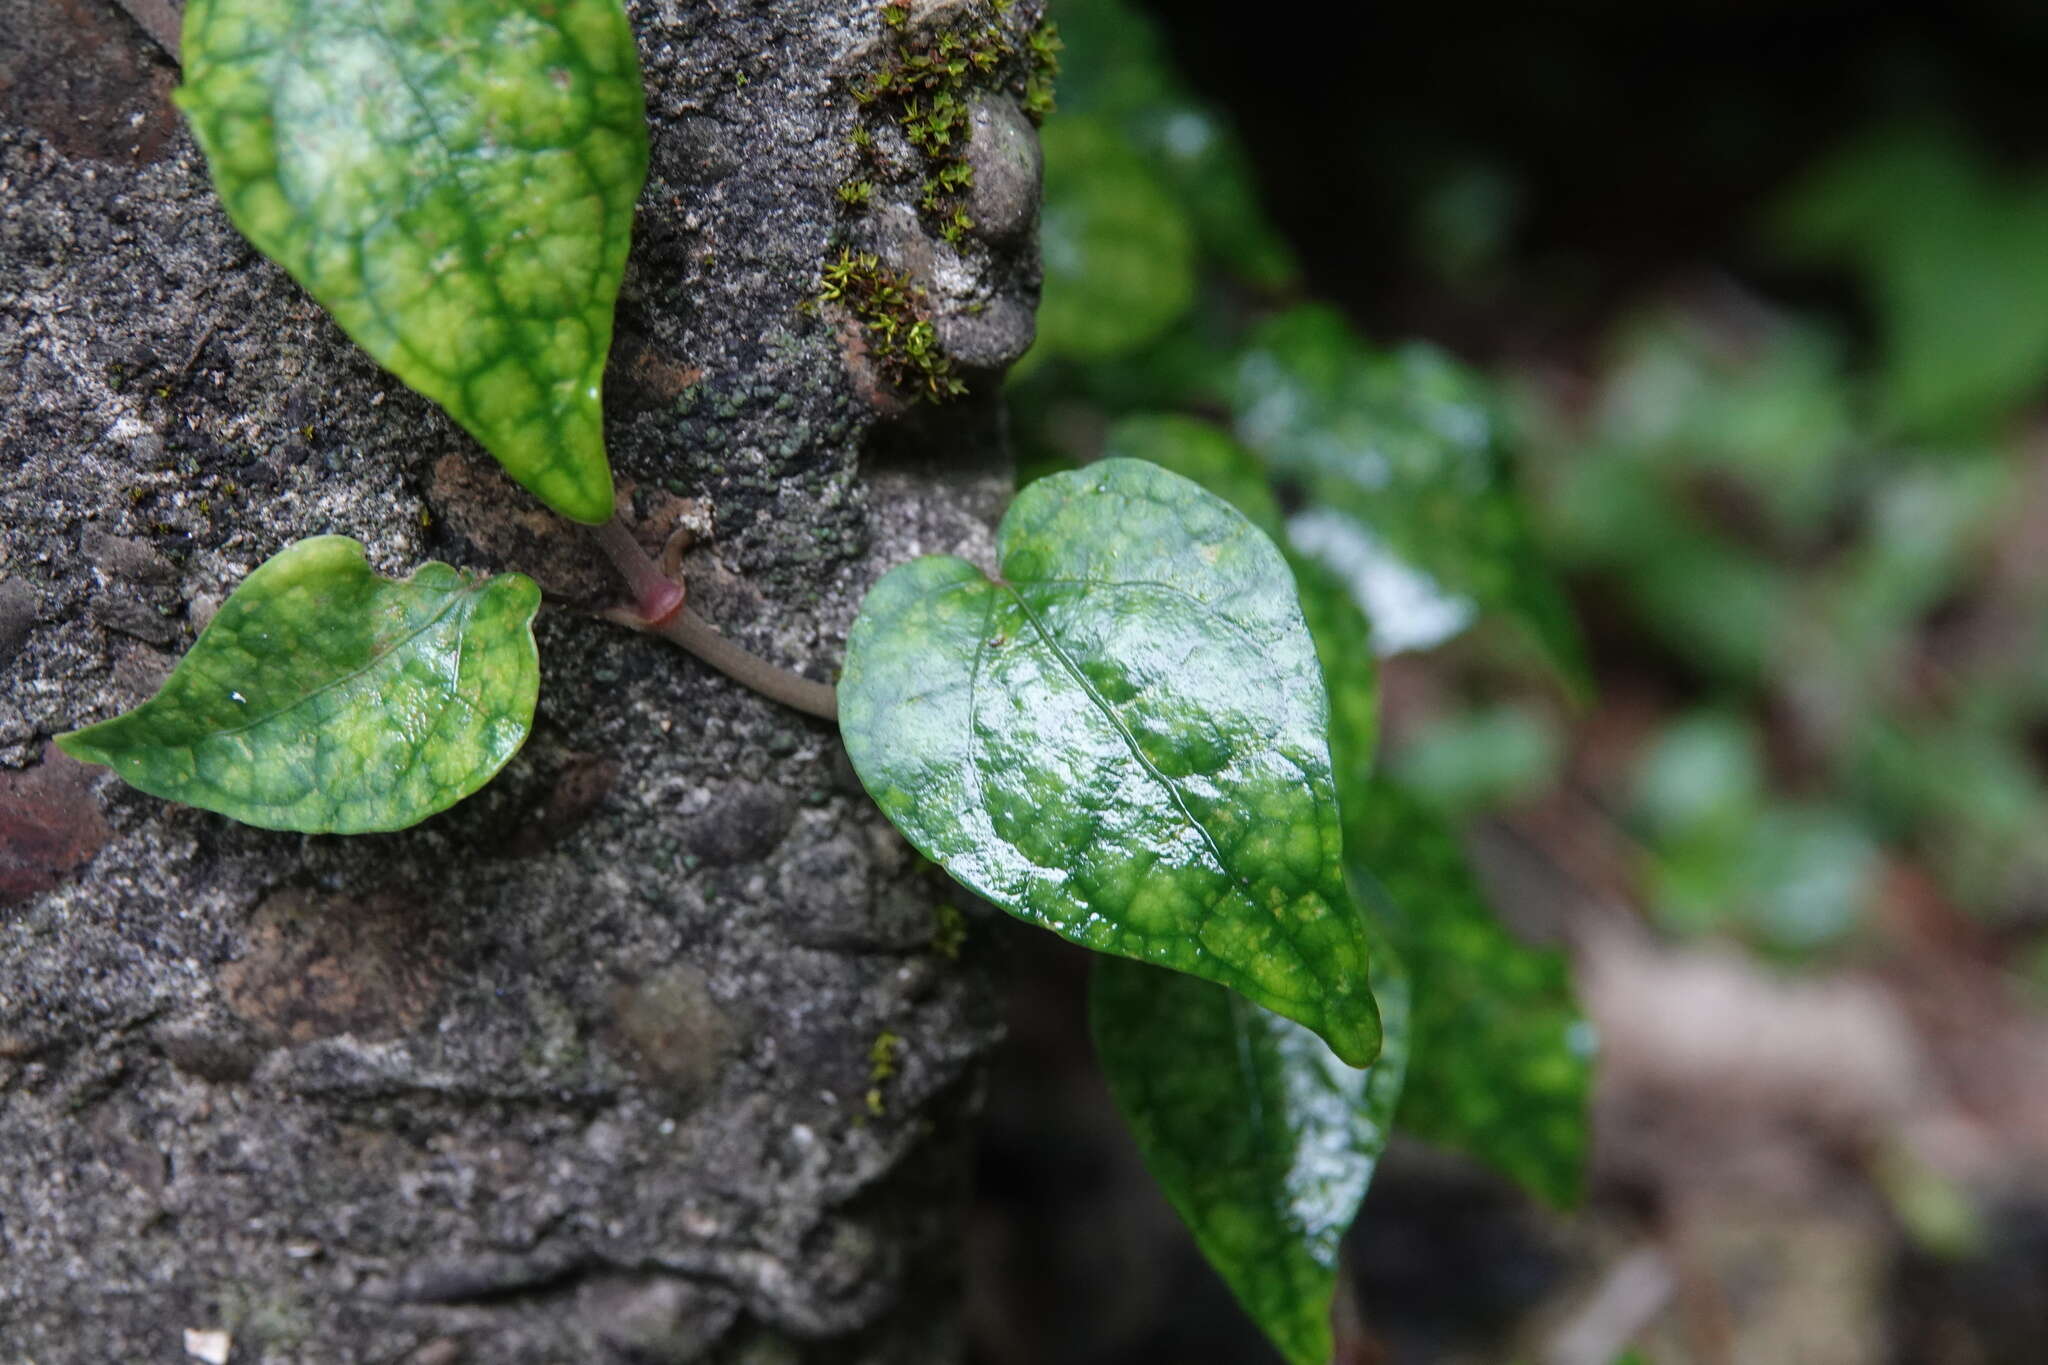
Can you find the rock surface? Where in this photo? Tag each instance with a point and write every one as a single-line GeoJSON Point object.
{"type": "Point", "coordinates": [580, 1070]}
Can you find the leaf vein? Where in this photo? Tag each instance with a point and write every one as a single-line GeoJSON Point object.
{"type": "Point", "coordinates": [455, 599]}
{"type": "Point", "coordinates": [1130, 740]}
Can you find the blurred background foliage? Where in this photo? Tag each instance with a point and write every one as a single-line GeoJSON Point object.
{"type": "Point", "coordinates": [1666, 389]}
{"type": "Point", "coordinates": [1786, 506]}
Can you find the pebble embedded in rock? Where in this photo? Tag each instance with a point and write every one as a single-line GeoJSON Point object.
{"type": "Point", "coordinates": [18, 606]}
{"type": "Point", "coordinates": [676, 1035]}
{"type": "Point", "coordinates": [1009, 170]}
{"type": "Point", "coordinates": [994, 337]}
{"type": "Point", "coordinates": [742, 823]}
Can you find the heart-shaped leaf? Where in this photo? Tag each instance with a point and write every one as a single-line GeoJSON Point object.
{"type": "Point", "coordinates": [454, 180]}
{"type": "Point", "coordinates": [1263, 1140]}
{"type": "Point", "coordinates": [1500, 1066]}
{"type": "Point", "coordinates": [326, 699]}
{"type": "Point", "coordinates": [1122, 739]}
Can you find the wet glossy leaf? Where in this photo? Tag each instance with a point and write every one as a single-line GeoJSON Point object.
{"type": "Point", "coordinates": [1204, 452]}
{"type": "Point", "coordinates": [1499, 1058]}
{"type": "Point", "coordinates": [454, 180]}
{"type": "Point", "coordinates": [1122, 739]}
{"type": "Point", "coordinates": [1409, 498]}
{"type": "Point", "coordinates": [1119, 258]}
{"type": "Point", "coordinates": [1261, 1138]}
{"type": "Point", "coordinates": [326, 699]}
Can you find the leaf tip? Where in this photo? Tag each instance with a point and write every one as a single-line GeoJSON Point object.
{"type": "Point", "coordinates": [75, 744]}
{"type": "Point", "coordinates": [1356, 1041]}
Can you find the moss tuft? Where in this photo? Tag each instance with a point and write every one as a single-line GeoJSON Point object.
{"type": "Point", "coordinates": [896, 316]}
{"type": "Point", "coordinates": [927, 86]}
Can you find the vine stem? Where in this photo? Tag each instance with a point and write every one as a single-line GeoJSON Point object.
{"type": "Point", "coordinates": [659, 609]}
{"type": "Point", "coordinates": [656, 596]}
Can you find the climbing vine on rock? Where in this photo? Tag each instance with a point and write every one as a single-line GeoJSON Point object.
{"type": "Point", "coordinates": [1147, 727]}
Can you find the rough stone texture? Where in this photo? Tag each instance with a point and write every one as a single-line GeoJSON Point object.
{"type": "Point", "coordinates": [580, 1070]}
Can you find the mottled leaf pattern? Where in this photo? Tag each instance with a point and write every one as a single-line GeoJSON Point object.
{"type": "Point", "coordinates": [1201, 451]}
{"type": "Point", "coordinates": [1500, 1059]}
{"type": "Point", "coordinates": [454, 180]}
{"type": "Point", "coordinates": [1261, 1138]}
{"type": "Point", "coordinates": [326, 699]}
{"type": "Point", "coordinates": [1500, 1054]}
{"type": "Point", "coordinates": [1122, 738]}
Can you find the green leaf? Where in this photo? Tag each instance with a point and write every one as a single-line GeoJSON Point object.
{"type": "Point", "coordinates": [454, 180]}
{"type": "Point", "coordinates": [1116, 69]}
{"type": "Point", "coordinates": [1499, 1067]}
{"type": "Point", "coordinates": [1205, 453]}
{"type": "Point", "coordinates": [1409, 495]}
{"type": "Point", "coordinates": [1774, 414]}
{"type": "Point", "coordinates": [1480, 758]}
{"type": "Point", "coordinates": [1118, 252]}
{"type": "Point", "coordinates": [1198, 450]}
{"type": "Point", "coordinates": [1262, 1139]}
{"type": "Point", "coordinates": [1499, 1059]}
{"type": "Point", "coordinates": [1122, 739]}
{"type": "Point", "coordinates": [1350, 669]}
{"type": "Point", "coordinates": [1711, 599]}
{"type": "Point", "coordinates": [325, 699]}
{"type": "Point", "coordinates": [1949, 249]}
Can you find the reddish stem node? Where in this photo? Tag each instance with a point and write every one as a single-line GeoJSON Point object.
{"type": "Point", "coordinates": [658, 608]}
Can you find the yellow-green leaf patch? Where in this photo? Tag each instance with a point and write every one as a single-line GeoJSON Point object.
{"type": "Point", "coordinates": [326, 699]}
{"type": "Point", "coordinates": [454, 180]}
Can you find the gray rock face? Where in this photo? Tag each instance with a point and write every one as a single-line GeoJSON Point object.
{"type": "Point", "coordinates": [554, 1076]}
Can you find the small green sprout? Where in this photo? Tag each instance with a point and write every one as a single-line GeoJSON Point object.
{"type": "Point", "coordinates": [881, 1068]}
{"type": "Point", "coordinates": [896, 317]}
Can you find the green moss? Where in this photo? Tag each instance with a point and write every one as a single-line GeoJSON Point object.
{"type": "Point", "coordinates": [882, 1056]}
{"type": "Point", "coordinates": [927, 86]}
{"type": "Point", "coordinates": [881, 1067]}
{"type": "Point", "coordinates": [896, 316]}
{"type": "Point", "coordinates": [1045, 45]}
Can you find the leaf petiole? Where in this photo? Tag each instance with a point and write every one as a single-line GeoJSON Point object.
{"type": "Point", "coordinates": [656, 596]}
{"type": "Point", "coordinates": [659, 609]}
